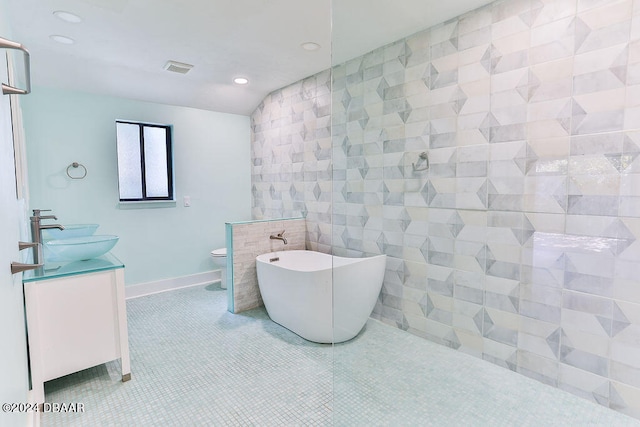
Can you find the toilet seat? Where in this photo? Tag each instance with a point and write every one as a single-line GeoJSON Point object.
{"type": "Point", "coordinates": [220, 259]}
{"type": "Point", "coordinates": [222, 252]}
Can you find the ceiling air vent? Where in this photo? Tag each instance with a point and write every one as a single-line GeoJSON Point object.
{"type": "Point", "coordinates": [177, 67]}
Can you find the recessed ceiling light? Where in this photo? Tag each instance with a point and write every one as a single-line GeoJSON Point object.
{"type": "Point", "coordinates": [241, 80]}
{"type": "Point", "coordinates": [62, 39]}
{"type": "Point", "coordinates": [310, 46]}
{"type": "Point", "coordinates": [67, 16]}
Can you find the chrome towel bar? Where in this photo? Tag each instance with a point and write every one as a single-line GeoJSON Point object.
{"type": "Point", "coordinates": [8, 89]}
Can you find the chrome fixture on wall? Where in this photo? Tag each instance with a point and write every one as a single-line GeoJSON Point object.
{"type": "Point", "coordinates": [36, 232]}
{"type": "Point", "coordinates": [76, 165]}
{"type": "Point", "coordinates": [9, 89]}
{"type": "Point", "coordinates": [279, 236]}
{"type": "Point", "coordinates": [423, 158]}
{"type": "Point", "coordinates": [18, 267]}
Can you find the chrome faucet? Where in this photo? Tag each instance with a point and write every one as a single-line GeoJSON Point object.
{"type": "Point", "coordinates": [279, 236]}
{"type": "Point", "coordinates": [36, 232]}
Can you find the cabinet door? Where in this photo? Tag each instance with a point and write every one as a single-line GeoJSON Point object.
{"type": "Point", "coordinates": [73, 321]}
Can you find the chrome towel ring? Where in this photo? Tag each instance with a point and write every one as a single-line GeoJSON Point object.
{"type": "Point", "coordinates": [76, 165]}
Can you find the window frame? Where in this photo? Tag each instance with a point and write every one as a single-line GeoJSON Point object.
{"type": "Point", "coordinates": [169, 153]}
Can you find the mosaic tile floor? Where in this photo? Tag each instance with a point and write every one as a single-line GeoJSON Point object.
{"type": "Point", "coordinates": [193, 363]}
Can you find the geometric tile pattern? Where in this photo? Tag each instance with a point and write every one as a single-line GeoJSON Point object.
{"type": "Point", "coordinates": [519, 244]}
{"type": "Point", "coordinates": [291, 156]}
{"type": "Point", "coordinates": [197, 364]}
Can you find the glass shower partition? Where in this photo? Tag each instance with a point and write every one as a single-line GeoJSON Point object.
{"type": "Point", "coordinates": [381, 132]}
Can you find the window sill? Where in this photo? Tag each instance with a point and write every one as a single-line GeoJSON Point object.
{"type": "Point", "coordinates": [151, 204]}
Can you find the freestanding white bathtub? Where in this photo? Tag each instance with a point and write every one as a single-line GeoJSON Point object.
{"type": "Point", "coordinates": [296, 288]}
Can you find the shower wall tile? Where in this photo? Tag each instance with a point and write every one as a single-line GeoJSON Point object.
{"type": "Point", "coordinates": [629, 170]}
{"type": "Point", "coordinates": [626, 286]}
{"type": "Point", "coordinates": [504, 240]}
{"type": "Point", "coordinates": [538, 350]}
{"type": "Point", "coordinates": [632, 103]}
{"type": "Point", "coordinates": [584, 384]}
{"type": "Point", "coordinates": [606, 24]}
{"type": "Point", "coordinates": [553, 37]}
{"type": "Point", "coordinates": [550, 107]}
{"type": "Point", "coordinates": [625, 398]}
{"type": "Point", "coordinates": [468, 314]}
{"type": "Point", "coordinates": [625, 360]}
{"type": "Point", "coordinates": [545, 182]}
{"type": "Point", "coordinates": [501, 326]}
{"type": "Point", "coordinates": [470, 232]}
{"type": "Point", "coordinates": [502, 294]}
{"type": "Point", "coordinates": [595, 155]}
{"type": "Point", "coordinates": [543, 268]}
{"type": "Point", "coordinates": [440, 280]}
{"type": "Point", "coordinates": [439, 308]}
{"type": "Point", "coordinates": [600, 68]}
{"type": "Point", "coordinates": [415, 223]}
{"type": "Point", "coordinates": [469, 278]}
{"type": "Point", "coordinates": [471, 173]}
{"type": "Point", "coordinates": [539, 368]}
{"type": "Point", "coordinates": [474, 78]}
{"type": "Point", "coordinates": [546, 11]}
{"type": "Point", "coordinates": [469, 287]}
{"type": "Point", "coordinates": [585, 342]}
{"type": "Point", "coordinates": [625, 368]}
{"type": "Point", "coordinates": [519, 243]}
{"type": "Point", "coordinates": [443, 227]}
{"type": "Point", "coordinates": [509, 17]}
{"type": "Point", "coordinates": [507, 165]}
{"type": "Point", "coordinates": [539, 338]}
{"type": "Point", "coordinates": [496, 352]}
{"type": "Point", "coordinates": [291, 156]}
{"type": "Point", "coordinates": [470, 343]}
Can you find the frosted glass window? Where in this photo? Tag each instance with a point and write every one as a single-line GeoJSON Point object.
{"type": "Point", "coordinates": [155, 162]}
{"type": "Point", "coordinates": [129, 163]}
{"type": "Point", "coordinates": [144, 161]}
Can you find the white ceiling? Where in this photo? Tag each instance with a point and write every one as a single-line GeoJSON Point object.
{"type": "Point", "coordinates": [122, 45]}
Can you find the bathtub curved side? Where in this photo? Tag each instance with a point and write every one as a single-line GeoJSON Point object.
{"type": "Point", "coordinates": [298, 300]}
{"type": "Point", "coordinates": [318, 302]}
{"type": "Point", "coordinates": [356, 287]}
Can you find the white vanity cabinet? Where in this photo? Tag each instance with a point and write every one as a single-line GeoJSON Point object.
{"type": "Point", "coordinates": [76, 319]}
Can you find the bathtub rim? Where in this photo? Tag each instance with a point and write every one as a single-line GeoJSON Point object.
{"type": "Point", "coordinates": [264, 258]}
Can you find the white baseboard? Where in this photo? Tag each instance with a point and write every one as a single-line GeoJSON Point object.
{"type": "Point", "coordinates": [142, 289]}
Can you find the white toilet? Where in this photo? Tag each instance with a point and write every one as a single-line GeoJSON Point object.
{"type": "Point", "coordinates": [220, 258]}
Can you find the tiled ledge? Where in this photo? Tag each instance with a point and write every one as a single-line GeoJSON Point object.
{"type": "Point", "coordinates": [245, 241]}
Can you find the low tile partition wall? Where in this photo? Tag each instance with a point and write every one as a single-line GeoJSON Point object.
{"type": "Point", "coordinates": [247, 240]}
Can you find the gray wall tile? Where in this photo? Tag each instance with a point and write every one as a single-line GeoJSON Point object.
{"type": "Point", "coordinates": [519, 244]}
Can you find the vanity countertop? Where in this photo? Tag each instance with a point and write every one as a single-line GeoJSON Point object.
{"type": "Point", "coordinates": [63, 269]}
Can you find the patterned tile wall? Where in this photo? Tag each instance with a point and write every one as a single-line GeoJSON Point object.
{"type": "Point", "coordinates": [250, 239]}
{"type": "Point", "coordinates": [291, 157]}
{"type": "Point", "coordinates": [520, 244]}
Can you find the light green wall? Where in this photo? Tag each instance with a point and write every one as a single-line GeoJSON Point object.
{"type": "Point", "coordinates": [211, 165]}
